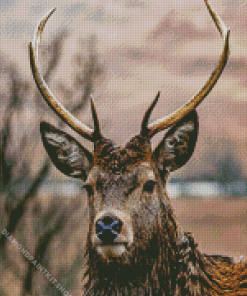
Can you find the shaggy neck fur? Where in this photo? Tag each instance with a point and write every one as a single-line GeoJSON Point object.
{"type": "Point", "coordinates": [170, 265]}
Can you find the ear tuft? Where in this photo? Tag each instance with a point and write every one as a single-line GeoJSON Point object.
{"type": "Point", "coordinates": [65, 152]}
{"type": "Point", "coordinates": [178, 144]}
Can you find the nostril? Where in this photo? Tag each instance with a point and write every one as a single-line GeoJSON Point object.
{"type": "Point", "coordinates": [116, 226]}
{"type": "Point", "coordinates": [99, 226]}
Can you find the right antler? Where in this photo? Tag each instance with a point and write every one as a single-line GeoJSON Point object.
{"type": "Point", "coordinates": [160, 124]}
{"type": "Point", "coordinates": [55, 105]}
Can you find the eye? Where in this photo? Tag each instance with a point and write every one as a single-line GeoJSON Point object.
{"type": "Point", "coordinates": [89, 189]}
{"type": "Point", "coordinates": [149, 186]}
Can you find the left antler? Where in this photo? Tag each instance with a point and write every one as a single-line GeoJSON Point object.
{"type": "Point", "coordinates": [62, 112]}
{"type": "Point", "coordinates": [160, 124]}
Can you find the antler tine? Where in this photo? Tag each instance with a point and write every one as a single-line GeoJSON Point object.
{"type": "Point", "coordinates": [165, 122]}
{"type": "Point", "coordinates": [55, 105]}
{"type": "Point", "coordinates": [144, 127]}
{"type": "Point", "coordinates": [97, 132]}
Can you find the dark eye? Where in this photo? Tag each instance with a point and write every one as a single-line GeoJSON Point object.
{"type": "Point", "coordinates": [89, 189]}
{"type": "Point", "coordinates": [149, 186]}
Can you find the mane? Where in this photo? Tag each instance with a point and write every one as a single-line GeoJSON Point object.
{"type": "Point", "coordinates": [202, 274]}
{"type": "Point", "coordinates": [179, 269]}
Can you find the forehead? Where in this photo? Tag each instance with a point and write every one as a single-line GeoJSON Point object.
{"type": "Point", "coordinates": [115, 160]}
{"type": "Point", "coordinates": [139, 173]}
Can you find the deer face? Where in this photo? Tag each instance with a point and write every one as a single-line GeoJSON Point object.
{"type": "Point", "coordinates": [125, 186]}
{"type": "Point", "coordinates": [124, 193]}
{"type": "Point", "coordinates": [122, 207]}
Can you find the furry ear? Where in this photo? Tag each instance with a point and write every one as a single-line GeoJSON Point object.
{"type": "Point", "coordinates": [65, 152]}
{"type": "Point", "coordinates": [178, 144]}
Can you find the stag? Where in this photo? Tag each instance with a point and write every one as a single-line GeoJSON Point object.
{"type": "Point", "coordinates": [135, 245]}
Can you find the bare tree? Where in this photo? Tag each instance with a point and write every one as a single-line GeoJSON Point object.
{"type": "Point", "coordinates": [22, 173]}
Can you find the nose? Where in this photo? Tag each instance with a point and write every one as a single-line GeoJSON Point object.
{"type": "Point", "coordinates": [107, 229]}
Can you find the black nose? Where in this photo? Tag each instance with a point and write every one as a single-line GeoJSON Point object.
{"type": "Point", "coordinates": [107, 229]}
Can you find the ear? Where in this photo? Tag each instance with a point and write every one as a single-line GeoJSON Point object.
{"type": "Point", "coordinates": [178, 144]}
{"type": "Point", "coordinates": [65, 152]}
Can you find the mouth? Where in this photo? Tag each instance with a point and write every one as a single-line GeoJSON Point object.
{"type": "Point", "coordinates": [111, 251]}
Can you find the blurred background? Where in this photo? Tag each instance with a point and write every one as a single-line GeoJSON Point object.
{"type": "Point", "coordinates": [124, 52]}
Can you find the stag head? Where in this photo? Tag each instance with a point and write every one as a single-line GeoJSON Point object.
{"type": "Point", "coordinates": [125, 185]}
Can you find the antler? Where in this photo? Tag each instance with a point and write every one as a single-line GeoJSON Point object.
{"type": "Point", "coordinates": [55, 105]}
{"type": "Point", "coordinates": [160, 124]}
